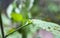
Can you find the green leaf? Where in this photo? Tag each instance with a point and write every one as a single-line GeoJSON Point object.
{"type": "Point", "coordinates": [17, 17]}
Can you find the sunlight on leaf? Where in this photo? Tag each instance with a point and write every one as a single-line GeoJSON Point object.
{"type": "Point", "coordinates": [17, 17]}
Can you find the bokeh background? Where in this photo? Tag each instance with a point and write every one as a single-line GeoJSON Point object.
{"type": "Point", "coordinates": [46, 10]}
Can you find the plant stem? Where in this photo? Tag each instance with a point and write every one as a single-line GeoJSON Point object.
{"type": "Point", "coordinates": [24, 35]}
{"type": "Point", "coordinates": [1, 25]}
{"type": "Point", "coordinates": [19, 28]}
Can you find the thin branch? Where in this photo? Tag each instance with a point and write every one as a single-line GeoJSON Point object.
{"type": "Point", "coordinates": [1, 25]}
{"type": "Point", "coordinates": [17, 29]}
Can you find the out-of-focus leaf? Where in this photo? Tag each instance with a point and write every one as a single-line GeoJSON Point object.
{"type": "Point", "coordinates": [27, 3]}
{"type": "Point", "coordinates": [35, 9]}
{"type": "Point", "coordinates": [53, 8]}
{"type": "Point", "coordinates": [5, 20]}
{"type": "Point", "coordinates": [15, 35]}
{"type": "Point", "coordinates": [39, 24]}
{"type": "Point", "coordinates": [17, 17]}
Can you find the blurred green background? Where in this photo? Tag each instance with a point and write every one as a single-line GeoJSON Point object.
{"type": "Point", "coordinates": [15, 13]}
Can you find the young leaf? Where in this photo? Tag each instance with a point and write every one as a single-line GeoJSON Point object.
{"type": "Point", "coordinates": [17, 17]}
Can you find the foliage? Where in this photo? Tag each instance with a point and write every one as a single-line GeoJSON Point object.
{"type": "Point", "coordinates": [17, 17]}
{"type": "Point", "coordinates": [39, 24]}
{"type": "Point", "coordinates": [32, 24]}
